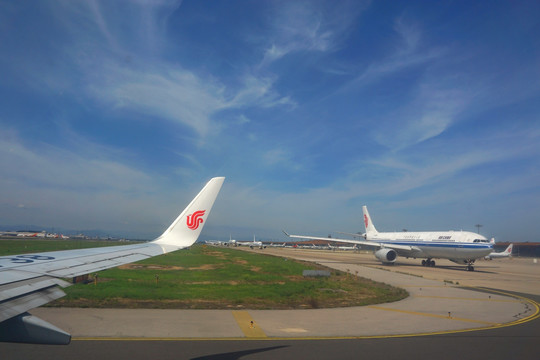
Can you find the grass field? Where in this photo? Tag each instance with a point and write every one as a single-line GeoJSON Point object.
{"type": "Point", "coordinates": [207, 277]}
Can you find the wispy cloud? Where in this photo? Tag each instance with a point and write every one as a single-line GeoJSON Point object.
{"type": "Point", "coordinates": [435, 107]}
{"type": "Point", "coordinates": [150, 84]}
{"type": "Point", "coordinates": [308, 26]}
{"type": "Point", "coordinates": [407, 51]}
{"type": "Point", "coordinates": [168, 92]}
{"type": "Point", "coordinates": [259, 91]}
{"type": "Point", "coordinates": [47, 166]}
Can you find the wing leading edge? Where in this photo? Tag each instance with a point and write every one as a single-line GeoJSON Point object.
{"type": "Point", "coordinates": [371, 243]}
{"type": "Point", "coordinates": [31, 280]}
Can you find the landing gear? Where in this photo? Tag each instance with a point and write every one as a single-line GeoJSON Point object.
{"type": "Point", "coordinates": [428, 262]}
{"type": "Point", "coordinates": [470, 266]}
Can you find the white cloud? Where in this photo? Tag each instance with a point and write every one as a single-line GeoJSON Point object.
{"type": "Point", "coordinates": [121, 65]}
{"type": "Point", "coordinates": [242, 119]}
{"type": "Point", "coordinates": [434, 109]}
{"type": "Point", "coordinates": [50, 167]}
{"type": "Point", "coordinates": [82, 188]}
{"type": "Point", "coordinates": [259, 91]}
{"type": "Point", "coordinates": [306, 26]}
{"type": "Point", "coordinates": [168, 93]}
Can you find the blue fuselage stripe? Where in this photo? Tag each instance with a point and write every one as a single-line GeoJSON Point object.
{"type": "Point", "coordinates": [456, 245]}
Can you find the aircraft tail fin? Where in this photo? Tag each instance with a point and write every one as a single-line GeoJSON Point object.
{"type": "Point", "coordinates": [370, 228]}
{"type": "Point", "coordinates": [185, 230]}
{"type": "Point", "coordinates": [509, 249]}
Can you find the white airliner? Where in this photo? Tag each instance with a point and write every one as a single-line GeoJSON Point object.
{"type": "Point", "coordinates": [231, 242]}
{"type": "Point", "coordinates": [461, 247]}
{"type": "Point", "coordinates": [503, 254]}
{"type": "Point", "coordinates": [31, 280]}
{"type": "Point", "coordinates": [252, 244]}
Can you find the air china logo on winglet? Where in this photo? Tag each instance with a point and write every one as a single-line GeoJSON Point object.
{"type": "Point", "coordinates": [366, 220]}
{"type": "Point", "coordinates": [194, 220]}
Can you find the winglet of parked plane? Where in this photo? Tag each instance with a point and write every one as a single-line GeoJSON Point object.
{"type": "Point", "coordinates": [185, 230]}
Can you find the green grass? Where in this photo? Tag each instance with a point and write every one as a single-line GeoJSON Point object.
{"type": "Point", "coordinates": [204, 277]}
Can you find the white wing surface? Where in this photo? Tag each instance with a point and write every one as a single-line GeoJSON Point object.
{"type": "Point", "coordinates": [31, 280]}
{"type": "Point", "coordinates": [372, 243]}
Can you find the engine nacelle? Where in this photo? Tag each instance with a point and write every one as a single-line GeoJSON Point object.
{"type": "Point", "coordinates": [387, 256]}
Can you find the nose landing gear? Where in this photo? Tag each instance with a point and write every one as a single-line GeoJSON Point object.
{"type": "Point", "coordinates": [428, 262]}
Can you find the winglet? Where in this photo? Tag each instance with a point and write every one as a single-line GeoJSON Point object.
{"type": "Point", "coordinates": [286, 234]}
{"type": "Point", "coordinates": [185, 230]}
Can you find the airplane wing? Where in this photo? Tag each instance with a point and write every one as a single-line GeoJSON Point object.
{"type": "Point", "coordinates": [375, 244]}
{"type": "Point", "coordinates": [31, 280]}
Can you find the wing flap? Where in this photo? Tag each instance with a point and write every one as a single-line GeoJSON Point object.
{"type": "Point", "coordinates": [19, 288]}
{"type": "Point", "coordinates": [24, 295]}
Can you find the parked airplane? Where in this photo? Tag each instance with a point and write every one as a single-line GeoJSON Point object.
{"type": "Point", "coordinates": [506, 253]}
{"type": "Point", "coordinates": [279, 245]}
{"type": "Point", "coordinates": [31, 280]}
{"type": "Point", "coordinates": [461, 247]}
{"type": "Point", "coordinates": [213, 242]}
{"type": "Point", "coordinates": [252, 244]}
{"type": "Point", "coordinates": [231, 242]}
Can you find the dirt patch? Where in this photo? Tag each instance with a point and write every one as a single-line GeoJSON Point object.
{"type": "Point", "coordinates": [215, 253]}
{"type": "Point", "coordinates": [206, 267]}
{"type": "Point", "coordinates": [149, 267]}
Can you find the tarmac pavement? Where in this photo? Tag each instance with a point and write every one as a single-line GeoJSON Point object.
{"type": "Point", "coordinates": [434, 306]}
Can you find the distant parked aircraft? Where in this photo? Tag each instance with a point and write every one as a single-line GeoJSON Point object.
{"type": "Point", "coordinates": [252, 244]}
{"type": "Point", "coordinates": [506, 253]}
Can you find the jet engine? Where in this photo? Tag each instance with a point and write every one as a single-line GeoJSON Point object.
{"type": "Point", "coordinates": [387, 256]}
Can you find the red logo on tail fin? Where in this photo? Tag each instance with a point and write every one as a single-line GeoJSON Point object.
{"type": "Point", "coordinates": [194, 220]}
{"type": "Point", "coordinates": [366, 221]}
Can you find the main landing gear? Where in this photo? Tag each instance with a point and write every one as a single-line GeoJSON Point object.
{"type": "Point", "coordinates": [428, 262]}
{"type": "Point", "coordinates": [470, 267]}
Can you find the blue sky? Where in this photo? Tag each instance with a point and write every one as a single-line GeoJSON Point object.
{"type": "Point", "coordinates": [113, 114]}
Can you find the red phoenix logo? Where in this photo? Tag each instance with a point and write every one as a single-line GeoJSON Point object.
{"type": "Point", "coordinates": [194, 220]}
{"type": "Point", "coordinates": [366, 220]}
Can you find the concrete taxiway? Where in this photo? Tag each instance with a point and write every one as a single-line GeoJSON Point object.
{"type": "Point", "coordinates": [437, 304]}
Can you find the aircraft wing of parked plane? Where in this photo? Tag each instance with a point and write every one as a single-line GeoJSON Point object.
{"type": "Point", "coordinates": [31, 280]}
{"type": "Point", "coordinates": [461, 247]}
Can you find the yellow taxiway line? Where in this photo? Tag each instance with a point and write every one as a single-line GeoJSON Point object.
{"type": "Point", "coordinates": [247, 324]}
